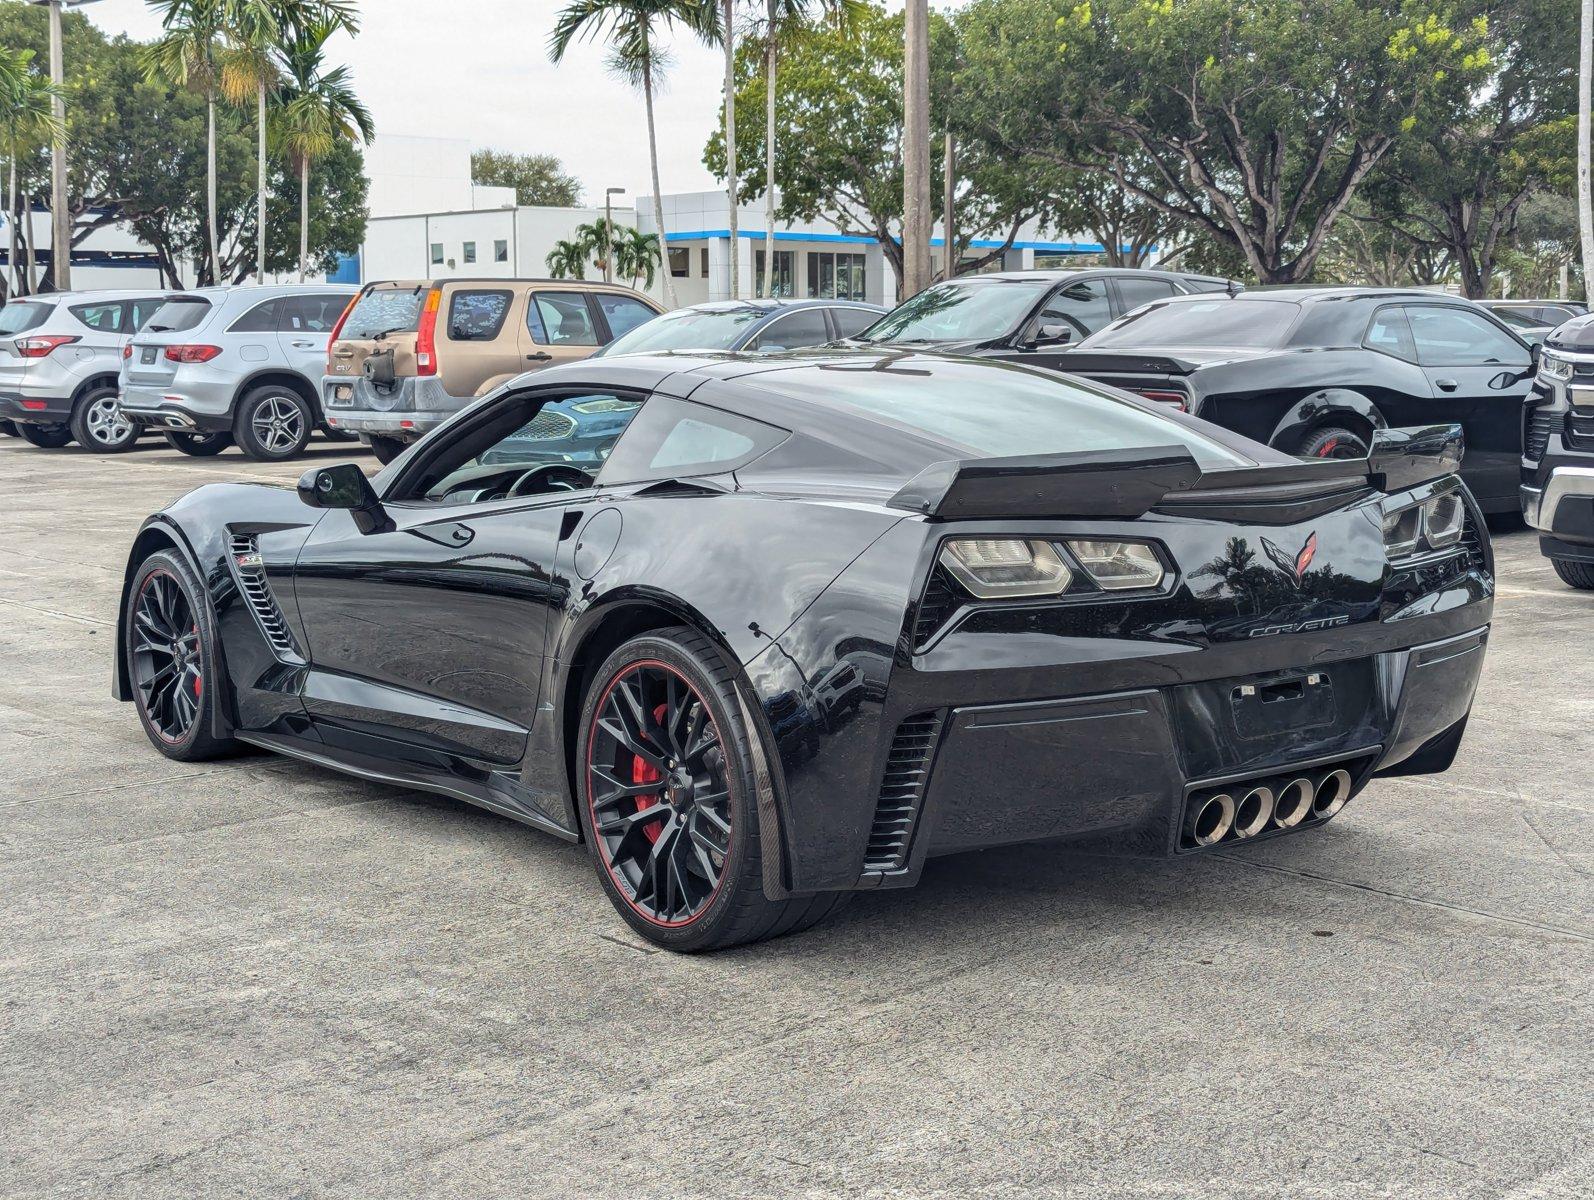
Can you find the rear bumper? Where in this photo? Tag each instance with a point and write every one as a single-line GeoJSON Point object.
{"type": "Point", "coordinates": [30, 408]}
{"type": "Point", "coordinates": [180, 412]}
{"type": "Point", "coordinates": [411, 408]}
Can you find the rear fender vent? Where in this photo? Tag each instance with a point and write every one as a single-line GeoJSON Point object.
{"type": "Point", "coordinates": [902, 793]}
{"type": "Point", "coordinates": [244, 555]}
{"type": "Point", "coordinates": [941, 599]}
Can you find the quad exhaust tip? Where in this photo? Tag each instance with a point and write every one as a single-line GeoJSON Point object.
{"type": "Point", "coordinates": [1294, 803]}
{"type": "Point", "coordinates": [1331, 794]}
{"type": "Point", "coordinates": [1211, 820]}
{"type": "Point", "coordinates": [1253, 813]}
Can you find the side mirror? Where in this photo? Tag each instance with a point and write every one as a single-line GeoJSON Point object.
{"type": "Point", "coordinates": [1052, 335]}
{"type": "Point", "coordinates": [345, 486]}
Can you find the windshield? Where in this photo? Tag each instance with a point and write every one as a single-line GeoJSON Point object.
{"type": "Point", "coordinates": [177, 315]}
{"type": "Point", "coordinates": [688, 329]}
{"type": "Point", "coordinates": [385, 310]}
{"type": "Point", "coordinates": [22, 315]}
{"type": "Point", "coordinates": [960, 311]}
{"type": "Point", "coordinates": [1228, 324]}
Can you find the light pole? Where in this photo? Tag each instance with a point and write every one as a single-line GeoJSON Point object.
{"type": "Point", "coordinates": [608, 232]}
{"type": "Point", "coordinates": [916, 216]}
{"type": "Point", "coordinates": [60, 220]}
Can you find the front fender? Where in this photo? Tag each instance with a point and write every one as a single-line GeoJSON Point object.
{"type": "Point", "coordinates": [1319, 409]}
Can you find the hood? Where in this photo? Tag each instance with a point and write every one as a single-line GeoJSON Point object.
{"type": "Point", "coordinates": [1575, 336]}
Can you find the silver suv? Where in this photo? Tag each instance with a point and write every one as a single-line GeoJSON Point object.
{"type": "Point", "coordinates": [59, 355]}
{"type": "Point", "coordinates": [241, 364]}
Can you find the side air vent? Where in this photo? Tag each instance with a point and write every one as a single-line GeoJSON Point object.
{"type": "Point", "coordinates": [245, 556]}
{"type": "Point", "coordinates": [939, 602]}
{"type": "Point", "coordinates": [1541, 424]}
{"type": "Point", "coordinates": [901, 792]}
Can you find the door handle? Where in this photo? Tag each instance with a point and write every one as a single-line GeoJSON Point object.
{"type": "Point", "coordinates": [1445, 385]}
{"type": "Point", "coordinates": [540, 356]}
{"type": "Point", "coordinates": [304, 345]}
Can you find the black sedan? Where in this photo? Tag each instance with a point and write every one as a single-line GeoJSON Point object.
{"type": "Point", "coordinates": [810, 619]}
{"type": "Point", "coordinates": [765, 326]}
{"type": "Point", "coordinates": [1317, 371]}
{"type": "Point", "coordinates": [1558, 453]}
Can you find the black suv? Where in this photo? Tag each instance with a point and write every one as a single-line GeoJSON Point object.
{"type": "Point", "coordinates": [1027, 316]}
{"type": "Point", "coordinates": [1558, 453]}
{"type": "Point", "coordinates": [1313, 371]}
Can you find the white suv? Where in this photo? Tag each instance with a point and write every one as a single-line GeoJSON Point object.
{"type": "Point", "coordinates": [59, 357]}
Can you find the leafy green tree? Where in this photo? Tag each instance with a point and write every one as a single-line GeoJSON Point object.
{"type": "Point", "coordinates": [568, 259]}
{"type": "Point", "coordinates": [637, 255]}
{"type": "Point", "coordinates": [634, 56]}
{"type": "Point", "coordinates": [27, 123]}
{"type": "Point", "coordinates": [538, 179]}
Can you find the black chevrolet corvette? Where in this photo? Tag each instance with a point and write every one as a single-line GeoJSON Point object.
{"type": "Point", "coordinates": [808, 620]}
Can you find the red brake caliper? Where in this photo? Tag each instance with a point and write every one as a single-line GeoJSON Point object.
{"type": "Point", "coordinates": [1328, 448]}
{"type": "Point", "coordinates": [199, 680]}
{"type": "Point", "coordinates": [643, 771]}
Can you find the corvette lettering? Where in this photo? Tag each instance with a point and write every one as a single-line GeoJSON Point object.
{"type": "Point", "coordinates": [1299, 626]}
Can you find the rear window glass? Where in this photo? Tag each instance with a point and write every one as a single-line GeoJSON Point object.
{"type": "Point", "coordinates": [1228, 324]}
{"type": "Point", "coordinates": [177, 315]}
{"type": "Point", "coordinates": [106, 318]}
{"type": "Point", "coordinates": [21, 316]}
{"type": "Point", "coordinates": [476, 316]}
{"type": "Point", "coordinates": [386, 310]}
{"type": "Point", "coordinates": [996, 411]}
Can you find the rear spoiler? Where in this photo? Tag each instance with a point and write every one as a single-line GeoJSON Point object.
{"type": "Point", "coordinates": [1405, 458]}
{"type": "Point", "coordinates": [1123, 362]}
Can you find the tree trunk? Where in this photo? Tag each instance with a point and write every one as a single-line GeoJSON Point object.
{"type": "Point", "coordinates": [653, 162]}
{"type": "Point", "coordinates": [210, 184]}
{"type": "Point", "coordinates": [32, 282]}
{"type": "Point", "coordinates": [260, 216]}
{"type": "Point", "coordinates": [304, 217]}
{"type": "Point", "coordinates": [769, 156]}
{"type": "Point", "coordinates": [15, 282]}
{"type": "Point", "coordinates": [916, 212]}
{"type": "Point", "coordinates": [1585, 97]}
{"type": "Point", "coordinates": [729, 9]}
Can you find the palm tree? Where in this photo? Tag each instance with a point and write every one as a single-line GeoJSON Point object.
{"type": "Point", "coordinates": [783, 20]}
{"type": "Point", "coordinates": [27, 121]}
{"type": "Point", "coordinates": [187, 55]}
{"type": "Point", "coordinates": [634, 57]}
{"type": "Point", "coordinates": [637, 255]}
{"type": "Point", "coordinates": [249, 72]}
{"type": "Point", "coordinates": [593, 235]}
{"type": "Point", "coordinates": [568, 259]}
{"type": "Point", "coordinates": [318, 110]}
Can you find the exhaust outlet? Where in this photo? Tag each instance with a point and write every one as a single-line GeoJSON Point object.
{"type": "Point", "coordinates": [1331, 794]}
{"type": "Point", "coordinates": [1210, 821]}
{"type": "Point", "coordinates": [1253, 812]}
{"type": "Point", "coordinates": [1294, 803]}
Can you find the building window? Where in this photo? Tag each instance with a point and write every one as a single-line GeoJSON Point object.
{"type": "Point", "coordinates": [437, 254]}
{"type": "Point", "coordinates": [470, 252]}
{"type": "Point", "coordinates": [785, 280]}
{"type": "Point", "coordinates": [837, 276]}
{"type": "Point", "coordinates": [702, 259]}
{"type": "Point", "coordinates": [680, 264]}
{"type": "Point", "coordinates": [501, 251]}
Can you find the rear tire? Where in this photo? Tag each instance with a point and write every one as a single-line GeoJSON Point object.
{"type": "Point", "coordinates": [386, 449]}
{"type": "Point", "coordinates": [1575, 574]}
{"type": "Point", "coordinates": [339, 435]}
{"type": "Point", "coordinates": [98, 423]}
{"type": "Point", "coordinates": [273, 424]}
{"type": "Point", "coordinates": [199, 445]}
{"type": "Point", "coordinates": [696, 750]}
{"type": "Point", "coordinates": [8, 429]}
{"type": "Point", "coordinates": [1333, 441]}
{"type": "Point", "coordinates": [45, 437]}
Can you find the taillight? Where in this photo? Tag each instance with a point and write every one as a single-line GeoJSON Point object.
{"type": "Point", "coordinates": [191, 354]}
{"type": "Point", "coordinates": [40, 347]}
{"type": "Point", "coordinates": [127, 350]}
{"type": "Point", "coordinates": [337, 330]}
{"type": "Point", "coordinates": [1163, 397]}
{"type": "Point", "coordinates": [426, 335]}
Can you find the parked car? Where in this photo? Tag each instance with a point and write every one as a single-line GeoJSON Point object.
{"type": "Point", "coordinates": [1027, 316]}
{"type": "Point", "coordinates": [1541, 312]}
{"type": "Point", "coordinates": [1316, 371]}
{"type": "Point", "coordinates": [1529, 328]}
{"type": "Point", "coordinates": [793, 605]}
{"type": "Point", "coordinates": [761, 325]}
{"type": "Point", "coordinates": [243, 365]}
{"type": "Point", "coordinates": [59, 357]}
{"type": "Point", "coordinates": [1558, 452]}
{"type": "Point", "coordinates": [409, 355]}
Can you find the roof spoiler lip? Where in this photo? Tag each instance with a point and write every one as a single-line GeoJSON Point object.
{"type": "Point", "coordinates": [1408, 457]}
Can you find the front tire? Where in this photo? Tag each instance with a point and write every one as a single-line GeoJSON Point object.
{"type": "Point", "coordinates": [45, 437]}
{"type": "Point", "coordinates": [1575, 574]}
{"type": "Point", "coordinates": [662, 733]}
{"type": "Point", "coordinates": [386, 449]}
{"type": "Point", "coordinates": [199, 445]}
{"type": "Point", "coordinates": [169, 640]}
{"type": "Point", "coordinates": [273, 424]}
{"type": "Point", "coordinates": [98, 423]}
{"type": "Point", "coordinates": [1333, 441]}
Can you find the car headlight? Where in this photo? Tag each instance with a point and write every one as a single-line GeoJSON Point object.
{"type": "Point", "coordinates": [1436, 523]}
{"type": "Point", "coordinates": [1554, 367]}
{"type": "Point", "coordinates": [1117, 566]}
{"type": "Point", "coordinates": [994, 568]}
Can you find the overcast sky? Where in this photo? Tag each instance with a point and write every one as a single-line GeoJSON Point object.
{"type": "Point", "coordinates": [479, 69]}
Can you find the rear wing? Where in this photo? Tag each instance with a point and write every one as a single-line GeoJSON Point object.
{"type": "Point", "coordinates": [1122, 362]}
{"type": "Point", "coordinates": [1405, 458]}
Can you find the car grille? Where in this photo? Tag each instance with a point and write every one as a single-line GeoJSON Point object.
{"type": "Point", "coordinates": [1579, 431]}
{"type": "Point", "coordinates": [901, 793]}
{"type": "Point", "coordinates": [1541, 424]}
{"type": "Point", "coordinates": [252, 586]}
{"type": "Point", "coordinates": [547, 426]}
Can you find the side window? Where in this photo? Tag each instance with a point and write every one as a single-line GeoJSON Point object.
{"type": "Point", "coordinates": [806, 327]}
{"type": "Point", "coordinates": [106, 318]}
{"type": "Point", "coordinates": [1082, 307]}
{"type": "Point", "coordinates": [1135, 292]}
{"type": "Point", "coordinates": [852, 320]}
{"type": "Point", "coordinates": [1390, 333]}
{"type": "Point", "coordinates": [1453, 337]}
{"type": "Point", "coordinates": [311, 314]}
{"type": "Point", "coordinates": [561, 319]}
{"type": "Point", "coordinates": [476, 316]}
{"type": "Point", "coordinates": [623, 313]}
{"type": "Point", "coordinates": [262, 318]}
{"type": "Point", "coordinates": [676, 438]}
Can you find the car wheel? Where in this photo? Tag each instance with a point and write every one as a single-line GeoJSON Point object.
{"type": "Point", "coordinates": [8, 429]}
{"type": "Point", "coordinates": [172, 663]}
{"type": "Point", "coordinates": [46, 437]}
{"type": "Point", "coordinates": [199, 445]}
{"type": "Point", "coordinates": [1333, 441]}
{"type": "Point", "coordinates": [98, 423]}
{"type": "Point", "coordinates": [668, 803]}
{"type": "Point", "coordinates": [1576, 574]}
{"type": "Point", "coordinates": [386, 449]}
{"type": "Point", "coordinates": [273, 424]}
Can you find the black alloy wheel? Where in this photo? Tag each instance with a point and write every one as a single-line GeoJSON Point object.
{"type": "Point", "coordinates": [1333, 442]}
{"type": "Point", "coordinates": [171, 659]}
{"type": "Point", "coordinates": [45, 437]}
{"type": "Point", "coordinates": [273, 424]}
{"type": "Point", "coordinates": [100, 425]}
{"type": "Point", "coordinates": [199, 445]}
{"type": "Point", "coordinates": [668, 799]}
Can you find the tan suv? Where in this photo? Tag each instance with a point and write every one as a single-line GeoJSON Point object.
{"type": "Point", "coordinates": [408, 355]}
